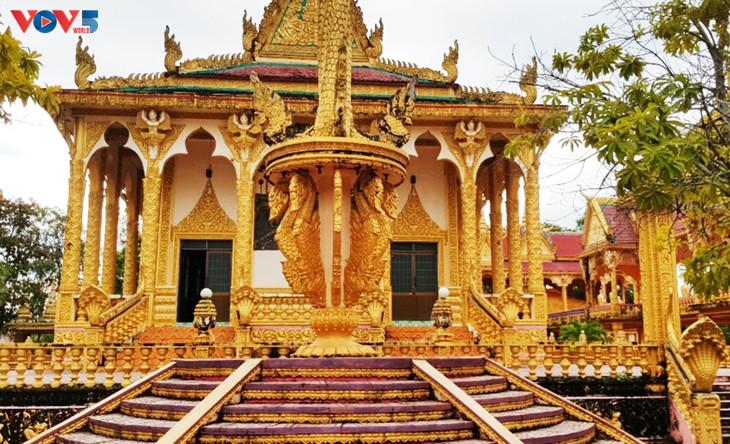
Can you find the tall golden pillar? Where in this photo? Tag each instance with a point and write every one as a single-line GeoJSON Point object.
{"type": "Point", "coordinates": [131, 245]}
{"type": "Point", "coordinates": [93, 220]}
{"type": "Point", "coordinates": [658, 276]}
{"type": "Point", "coordinates": [241, 134]}
{"type": "Point", "coordinates": [72, 238]}
{"type": "Point", "coordinates": [496, 188]}
{"type": "Point", "coordinates": [535, 284]}
{"type": "Point", "coordinates": [154, 134]}
{"type": "Point", "coordinates": [111, 219]}
{"type": "Point", "coordinates": [470, 260]}
{"type": "Point", "coordinates": [513, 227]}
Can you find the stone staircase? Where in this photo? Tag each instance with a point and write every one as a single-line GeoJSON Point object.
{"type": "Point", "coordinates": [334, 400]}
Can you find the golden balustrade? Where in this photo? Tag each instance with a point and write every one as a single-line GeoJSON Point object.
{"type": "Point", "coordinates": [55, 365]}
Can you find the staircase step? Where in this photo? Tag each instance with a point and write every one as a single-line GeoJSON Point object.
{"type": "Point", "coordinates": [337, 390]}
{"type": "Point", "coordinates": [407, 432]}
{"type": "Point", "coordinates": [565, 432]}
{"type": "Point", "coordinates": [116, 425]}
{"type": "Point", "coordinates": [333, 368]}
{"type": "Point", "coordinates": [503, 401]}
{"type": "Point", "coordinates": [454, 367]}
{"type": "Point", "coordinates": [212, 369]}
{"type": "Point", "coordinates": [90, 438]}
{"type": "Point", "coordinates": [154, 407]}
{"type": "Point", "coordinates": [337, 412]}
{"type": "Point", "coordinates": [531, 417]}
{"type": "Point", "coordinates": [475, 385]}
{"type": "Point", "coordinates": [183, 388]}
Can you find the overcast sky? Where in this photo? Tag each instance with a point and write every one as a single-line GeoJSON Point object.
{"type": "Point", "coordinates": [34, 159]}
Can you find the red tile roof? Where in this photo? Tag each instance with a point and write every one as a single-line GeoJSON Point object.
{"type": "Point", "coordinates": [620, 224]}
{"type": "Point", "coordinates": [567, 245]}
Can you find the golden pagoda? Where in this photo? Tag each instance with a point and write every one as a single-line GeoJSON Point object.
{"type": "Point", "coordinates": [375, 172]}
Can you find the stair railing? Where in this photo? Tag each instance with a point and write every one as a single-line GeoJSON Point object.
{"type": "Point", "coordinates": [551, 398]}
{"type": "Point", "coordinates": [693, 359]}
{"type": "Point", "coordinates": [125, 320]}
{"type": "Point", "coordinates": [486, 319]}
{"type": "Point", "coordinates": [80, 419]}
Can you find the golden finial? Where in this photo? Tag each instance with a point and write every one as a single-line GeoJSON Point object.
{"type": "Point", "coordinates": [375, 40]}
{"type": "Point", "coordinates": [173, 52]}
{"type": "Point", "coordinates": [250, 34]}
{"type": "Point", "coordinates": [85, 65]}
{"type": "Point", "coordinates": [528, 82]}
{"type": "Point", "coordinates": [451, 59]}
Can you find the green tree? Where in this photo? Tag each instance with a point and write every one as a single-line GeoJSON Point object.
{"type": "Point", "coordinates": [571, 332]}
{"type": "Point", "coordinates": [650, 94]}
{"type": "Point", "coordinates": [31, 248]}
{"type": "Point", "coordinates": [19, 69]}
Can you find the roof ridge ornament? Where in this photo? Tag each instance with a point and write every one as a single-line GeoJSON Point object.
{"type": "Point", "coordinates": [85, 65]}
{"type": "Point", "coordinates": [173, 52]}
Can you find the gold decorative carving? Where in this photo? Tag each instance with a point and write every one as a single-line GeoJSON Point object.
{"type": "Point", "coordinates": [449, 64]}
{"type": "Point", "coordinates": [150, 222]}
{"type": "Point", "coordinates": [414, 222]}
{"type": "Point", "coordinates": [703, 349]}
{"type": "Point", "coordinates": [92, 301]}
{"type": "Point", "coordinates": [241, 132]}
{"type": "Point", "coordinates": [453, 228]}
{"type": "Point", "coordinates": [398, 114]}
{"type": "Point", "coordinates": [485, 95]}
{"type": "Point", "coordinates": [293, 201]}
{"type": "Point", "coordinates": [272, 112]}
{"type": "Point", "coordinates": [207, 216]}
{"type": "Point", "coordinates": [374, 208]}
{"type": "Point", "coordinates": [375, 304]}
{"type": "Point", "coordinates": [248, 38]}
{"type": "Point", "coordinates": [93, 221]}
{"type": "Point", "coordinates": [471, 138]}
{"type": "Point", "coordinates": [154, 135]}
{"type": "Point", "coordinates": [66, 125]}
{"type": "Point", "coordinates": [375, 42]}
{"type": "Point", "coordinates": [94, 130]}
{"type": "Point", "coordinates": [165, 223]}
{"type": "Point", "coordinates": [72, 237]}
{"type": "Point", "coordinates": [334, 329]}
{"type": "Point", "coordinates": [85, 65]}
{"type": "Point", "coordinates": [243, 302]}
{"type": "Point", "coordinates": [511, 304]}
{"type": "Point", "coordinates": [173, 52]}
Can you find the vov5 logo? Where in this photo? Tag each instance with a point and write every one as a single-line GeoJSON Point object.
{"type": "Point", "coordinates": [45, 21]}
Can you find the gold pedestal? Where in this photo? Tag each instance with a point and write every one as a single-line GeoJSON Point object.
{"type": "Point", "coordinates": [334, 328]}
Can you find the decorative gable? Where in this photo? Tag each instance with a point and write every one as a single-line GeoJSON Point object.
{"type": "Point", "coordinates": [207, 216]}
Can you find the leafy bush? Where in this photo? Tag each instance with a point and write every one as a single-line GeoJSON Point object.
{"type": "Point", "coordinates": [592, 329]}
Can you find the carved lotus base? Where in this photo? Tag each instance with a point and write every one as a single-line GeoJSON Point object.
{"type": "Point", "coordinates": [334, 328]}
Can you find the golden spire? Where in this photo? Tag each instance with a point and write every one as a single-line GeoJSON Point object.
{"type": "Point", "coordinates": [334, 54]}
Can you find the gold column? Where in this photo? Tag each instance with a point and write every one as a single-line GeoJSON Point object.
{"type": "Point", "coordinates": [130, 248]}
{"type": "Point", "coordinates": [563, 281]}
{"type": "Point", "coordinates": [72, 237]}
{"type": "Point", "coordinates": [469, 266]}
{"type": "Point", "coordinates": [496, 187]}
{"type": "Point", "coordinates": [658, 276]}
{"type": "Point", "coordinates": [93, 220]}
{"type": "Point", "coordinates": [513, 227]}
{"type": "Point", "coordinates": [242, 266]}
{"type": "Point", "coordinates": [111, 216]}
{"type": "Point", "coordinates": [535, 284]}
{"type": "Point", "coordinates": [151, 187]}
{"type": "Point", "coordinates": [611, 259]}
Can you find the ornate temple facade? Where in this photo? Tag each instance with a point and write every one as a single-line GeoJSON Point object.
{"type": "Point", "coordinates": [178, 161]}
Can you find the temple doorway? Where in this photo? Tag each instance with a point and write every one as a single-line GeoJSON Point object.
{"type": "Point", "coordinates": [414, 280]}
{"type": "Point", "coordinates": [204, 263]}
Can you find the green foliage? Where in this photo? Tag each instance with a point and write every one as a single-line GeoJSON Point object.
{"type": "Point", "coordinates": [19, 69]}
{"type": "Point", "coordinates": [571, 332]}
{"type": "Point", "coordinates": [31, 248]}
{"type": "Point", "coordinates": [650, 95]}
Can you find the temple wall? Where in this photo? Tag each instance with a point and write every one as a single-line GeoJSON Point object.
{"type": "Point", "coordinates": [267, 271]}
{"type": "Point", "coordinates": [430, 183]}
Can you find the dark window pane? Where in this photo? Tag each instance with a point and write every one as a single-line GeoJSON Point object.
{"type": "Point", "coordinates": [219, 271]}
{"type": "Point", "coordinates": [426, 273]}
{"type": "Point", "coordinates": [400, 274]}
{"type": "Point", "coordinates": [220, 245]}
{"type": "Point", "coordinates": [193, 244]}
{"type": "Point", "coordinates": [264, 230]}
{"type": "Point", "coordinates": [424, 246]}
